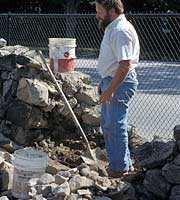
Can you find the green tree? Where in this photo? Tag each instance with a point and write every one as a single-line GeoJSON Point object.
{"type": "Point", "coordinates": [7, 6]}
{"type": "Point", "coordinates": [161, 5]}
{"type": "Point", "coordinates": [133, 5]}
{"type": "Point", "coordinates": [84, 6]}
{"type": "Point", "coordinates": [74, 6]}
{"type": "Point", "coordinates": [67, 6]}
{"type": "Point", "coordinates": [52, 6]}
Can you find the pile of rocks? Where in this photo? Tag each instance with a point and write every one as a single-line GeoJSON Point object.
{"type": "Point", "coordinates": [157, 177]}
{"type": "Point", "coordinates": [31, 110]}
{"type": "Point", "coordinates": [84, 182]}
{"type": "Point", "coordinates": [30, 104]}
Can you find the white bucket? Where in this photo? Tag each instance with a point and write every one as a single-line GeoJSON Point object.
{"type": "Point", "coordinates": [62, 54]}
{"type": "Point", "coordinates": [28, 163]}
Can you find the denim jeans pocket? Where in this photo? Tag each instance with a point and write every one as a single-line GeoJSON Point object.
{"type": "Point", "coordinates": [125, 92]}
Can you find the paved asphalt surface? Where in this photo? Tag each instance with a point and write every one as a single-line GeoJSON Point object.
{"type": "Point", "coordinates": [155, 109]}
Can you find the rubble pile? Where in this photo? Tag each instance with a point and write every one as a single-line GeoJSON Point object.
{"type": "Point", "coordinates": [32, 113]}
{"type": "Point", "coordinates": [30, 104]}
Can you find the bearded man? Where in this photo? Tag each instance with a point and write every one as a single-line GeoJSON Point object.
{"type": "Point", "coordinates": [118, 58]}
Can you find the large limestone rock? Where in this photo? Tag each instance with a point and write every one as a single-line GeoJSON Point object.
{"type": "Point", "coordinates": [92, 117]}
{"type": "Point", "coordinates": [33, 92]}
{"type": "Point", "coordinates": [87, 95]}
{"type": "Point", "coordinates": [78, 182]}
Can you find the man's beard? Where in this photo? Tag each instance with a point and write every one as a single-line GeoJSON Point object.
{"type": "Point", "coordinates": [103, 23]}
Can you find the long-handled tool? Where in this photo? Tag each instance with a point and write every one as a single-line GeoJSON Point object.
{"type": "Point", "coordinates": [91, 153]}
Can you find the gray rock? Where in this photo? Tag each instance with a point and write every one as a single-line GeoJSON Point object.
{"type": "Point", "coordinates": [20, 50]}
{"type": "Point", "coordinates": [28, 116]}
{"type": "Point", "coordinates": [92, 117]}
{"type": "Point", "coordinates": [64, 110]}
{"type": "Point", "coordinates": [176, 160]}
{"type": "Point", "coordinates": [7, 87]}
{"type": "Point", "coordinates": [143, 194]}
{"type": "Point", "coordinates": [62, 190]}
{"type": "Point", "coordinates": [123, 191]}
{"type": "Point", "coordinates": [175, 193]}
{"type": "Point", "coordinates": [38, 197]}
{"type": "Point", "coordinates": [84, 192]}
{"type": "Point", "coordinates": [72, 83]}
{"type": "Point", "coordinates": [54, 167]}
{"type": "Point", "coordinates": [46, 179]}
{"type": "Point", "coordinates": [62, 176]}
{"type": "Point", "coordinates": [33, 92]}
{"type": "Point", "coordinates": [154, 154]}
{"type": "Point", "coordinates": [10, 49]}
{"type": "Point", "coordinates": [154, 182]}
{"type": "Point", "coordinates": [73, 196]}
{"type": "Point", "coordinates": [27, 61]}
{"type": "Point", "coordinates": [4, 53]}
{"type": "Point", "coordinates": [2, 106]}
{"type": "Point", "coordinates": [172, 173]}
{"type": "Point", "coordinates": [4, 75]}
{"type": "Point", "coordinates": [23, 111]}
{"type": "Point", "coordinates": [48, 189]}
{"type": "Point", "coordinates": [20, 135]}
{"type": "Point", "coordinates": [177, 135]}
{"type": "Point", "coordinates": [85, 171]}
{"type": "Point", "coordinates": [102, 183]}
{"type": "Point", "coordinates": [87, 95]}
{"type": "Point", "coordinates": [75, 76]}
{"type": "Point", "coordinates": [78, 182]}
{"type": "Point", "coordinates": [30, 53]}
{"type": "Point", "coordinates": [8, 62]}
{"type": "Point", "coordinates": [134, 138]}
{"type": "Point", "coordinates": [86, 79]}
{"type": "Point", "coordinates": [6, 176]}
{"type": "Point", "coordinates": [93, 175]}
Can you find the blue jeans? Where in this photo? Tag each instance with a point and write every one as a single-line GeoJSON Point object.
{"type": "Point", "coordinates": [114, 123]}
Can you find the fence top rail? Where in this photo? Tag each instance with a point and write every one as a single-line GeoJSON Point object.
{"type": "Point", "coordinates": [91, 15]}
{"type": "Point", "coordinates": [153, 14]}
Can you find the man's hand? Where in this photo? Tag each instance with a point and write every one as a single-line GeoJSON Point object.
{"type": "Point", "coordinates": [120, 75]}
{"type": "Point", "coordinates": [106, 96]}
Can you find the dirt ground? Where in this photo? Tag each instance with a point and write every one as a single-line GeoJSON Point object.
{"type": "Point", "coordinates": [68, 151]}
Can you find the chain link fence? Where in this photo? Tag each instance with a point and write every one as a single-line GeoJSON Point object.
{"type": "Point", "coordinates": [155, 108]}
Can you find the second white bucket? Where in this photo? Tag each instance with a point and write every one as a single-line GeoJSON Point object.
{"type": "Point", "coordinates": [62, 54]}
{"type": "Point", "coordinates": [28, 163]}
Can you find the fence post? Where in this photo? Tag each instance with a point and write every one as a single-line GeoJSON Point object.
{"type": "Point", "coordinates": [8, 27]}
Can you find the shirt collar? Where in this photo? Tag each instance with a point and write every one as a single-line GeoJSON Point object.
{"type": "Point", "coordinates": [115, 21]}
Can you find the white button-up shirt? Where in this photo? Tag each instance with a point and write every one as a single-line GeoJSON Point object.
{"type": "Point", "coordinates": [120, 42]}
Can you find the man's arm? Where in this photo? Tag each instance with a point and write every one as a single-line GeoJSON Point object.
{"type": "Point", "coordinates": [120, 75]}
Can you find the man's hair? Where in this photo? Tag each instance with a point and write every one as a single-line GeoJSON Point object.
{"type": "Point", "coordinates": [116, 4]}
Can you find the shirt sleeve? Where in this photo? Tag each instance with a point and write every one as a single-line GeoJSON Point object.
{"type": "Point", "coordinates": [122, 44]}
